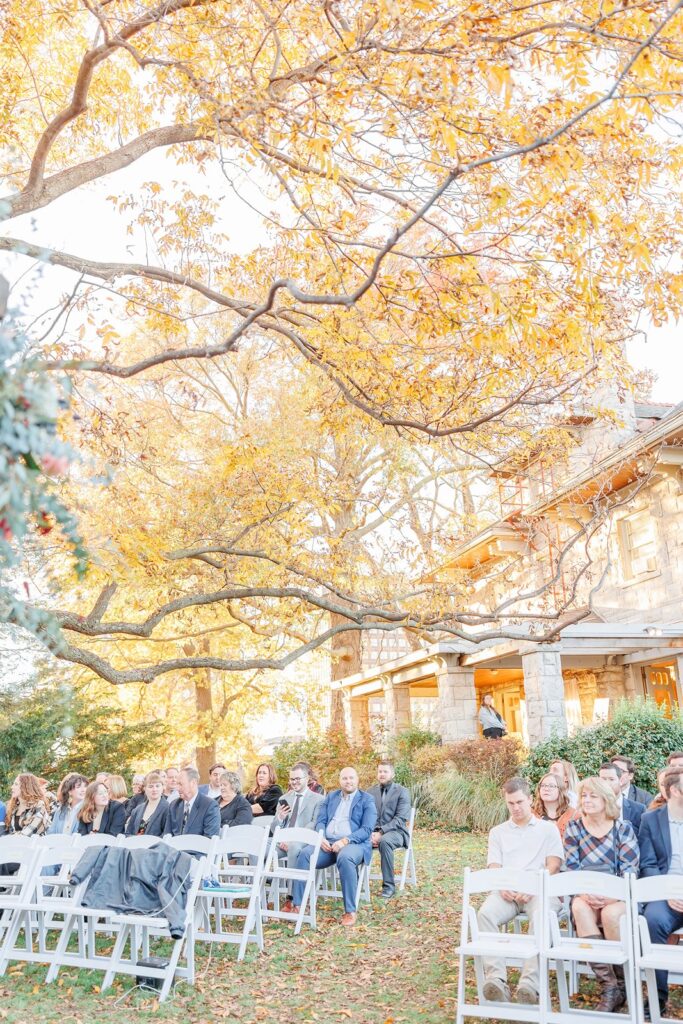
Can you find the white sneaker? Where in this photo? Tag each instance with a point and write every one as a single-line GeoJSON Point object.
{"type": "Point", "coordinates": [525, 993]}
{"type": "Point", "coordinates": [496, 991]}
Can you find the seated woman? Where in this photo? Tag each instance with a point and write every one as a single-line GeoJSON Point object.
{"type": "Point", "coordinates": [598, 841]}
{"type": "Point", "coordinates": [566, 773]}
{"type": "Point", "coordinates": [266, 793]}
{"type": "Point", "coordinates": [149, 818]}
{"type": "Point", "coordinates": [69, 798]}
{"type": "Point", "coordinates": [235, 809]}
{"type": "Point", "coordinates": [116, 784]}
{"type": "Point", "coordinates": [28, 811]}
{"type": "Point", "coordinates": [100, 814]}
{"type": "Point", "coordinates": [551, 802]}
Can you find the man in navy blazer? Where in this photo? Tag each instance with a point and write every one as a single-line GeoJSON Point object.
{"type": "Point", "coordinates": [193, 813]}
{"type": "Point", "coordinates": [661, 853]}
{"type": "Point", "coordinates": [347, 817]}
{"type": "Point", "coordinates": [630, 811]}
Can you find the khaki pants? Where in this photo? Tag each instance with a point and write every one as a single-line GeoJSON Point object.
{"type": "Point", "coordinates": [494, 912]}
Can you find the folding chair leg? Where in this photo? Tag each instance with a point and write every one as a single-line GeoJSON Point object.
{"type": "Point", "coordinates": [119, 947]}
{"type": "Point", "coordinates": [459, 1015]}
{"type": "Point", "coordinates": [11, 936]}
{"type": "Point", "coordinates": [170, 970]}
{"type": "Point", "coordinates": [67, 928]}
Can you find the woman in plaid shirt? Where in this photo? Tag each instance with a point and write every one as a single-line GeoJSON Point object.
{"type": "Point", "coordinates": [599, 841]}
{"type": "Point", "coordinates": [28, 812]}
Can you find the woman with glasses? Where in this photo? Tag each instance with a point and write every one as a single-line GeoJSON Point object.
{"type": "Point", "coordinates": [551, 802]}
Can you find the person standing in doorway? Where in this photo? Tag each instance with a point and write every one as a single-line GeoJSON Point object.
{"type": "Point", "coordinates": [493, 725]}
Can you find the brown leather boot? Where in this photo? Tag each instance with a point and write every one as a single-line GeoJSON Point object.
{"type": "Point", "coordinates": [612, 997]}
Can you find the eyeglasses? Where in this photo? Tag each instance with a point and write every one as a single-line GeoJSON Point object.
{"type": "Point", "coordinates": [296, 778]}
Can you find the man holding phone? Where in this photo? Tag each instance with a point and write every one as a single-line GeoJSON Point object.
{"type": "Point", "coordinates": [298, 808]}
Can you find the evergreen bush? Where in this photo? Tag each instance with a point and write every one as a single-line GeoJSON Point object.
{"type": "Point", "coordinates": [638, 729]}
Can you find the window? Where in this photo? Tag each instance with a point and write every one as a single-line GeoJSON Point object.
{"type": "Point", "coordinates": [638, 541]}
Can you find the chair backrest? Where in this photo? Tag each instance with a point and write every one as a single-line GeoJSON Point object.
{"type": "Point", "coordinates": [495, 879]}
{"type": "Point", "coordinates": [52, 876]}
{"type": "Point", "coordinates": [245, 841]}
{"type": "Point", "coordinates": [138, 842]}
{"type": "Point", "coordinates": [57, 839]}
{"type": "Point", "coordinates": [657, 887]}
{"type": "Point", "coordinates": [193, 844]}
{"type": "Point", "coordinates": [264, 820]}
{"type": "Point", "coordinates": [97, 839]}
{"type": "Point", "coordinates": [305, 836]}
{"type": "Point", "coordinates": [411, 823]}
{"type": "Point", "coordinates": [593, 883]}
{"type": "Point", "coordinates": [23, 851]}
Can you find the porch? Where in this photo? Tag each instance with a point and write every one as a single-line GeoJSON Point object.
{"type": "Point", "coordinates": [539, 689]}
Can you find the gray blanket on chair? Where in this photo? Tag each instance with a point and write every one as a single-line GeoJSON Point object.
{"type": "Point", "coordinates": [154, 881]}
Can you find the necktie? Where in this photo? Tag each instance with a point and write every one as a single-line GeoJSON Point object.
{"type": "Point", "coordinates": [383, 792]}
{"type": "Point", "coordinates": [295, 811]}
{"type": "Point", "coordinates": [185, 817]}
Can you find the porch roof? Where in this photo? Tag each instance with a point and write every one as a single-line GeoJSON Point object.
{"type": "Point", "coordinates": [579, 645]}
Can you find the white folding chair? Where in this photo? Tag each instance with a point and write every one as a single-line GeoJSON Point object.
{"type": "Point", "coordinates": [512, 947]}
{"type": "Point", "coordinates": [234, 881]}
{"type": "Point", "coordinates": [51, 839]}
{"type": "Point", "coordinates": [136, 931]}
{"type": "Point", "coordinates": [328, 884]}
{"type": "Point", "coordinates": [44, 907]}
{"type": "Point", "coordinates": [408, 867]}
{"type": "Point", "coordinates": [651, 956]}
{"type": "Point", "coordinates": [264, 820]}
{"type": "Point", "coordinates": [567, 949]}
{"type": "Point", "coordinates": [15, 888]}
{"type": "Point", "coordinates": [277, 872]}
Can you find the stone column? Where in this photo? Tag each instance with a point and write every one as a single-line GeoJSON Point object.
{"type": "Point", "coordinates": [357, 718]}
{"type": "Point", "coordinates": [544, 694]}
{"type": "Point", "coordinates": [457, 700]}
{"type": "Point", "coordinates": [397, 706]}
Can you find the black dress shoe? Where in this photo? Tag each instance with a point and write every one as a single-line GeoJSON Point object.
{"type": "Point", "coordinates": [387, 893]}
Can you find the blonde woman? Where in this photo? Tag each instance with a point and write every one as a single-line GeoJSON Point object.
{"type": "Point", "coordinates": [598, 841]}
{"type": "Point", "coordinates": [28, 811]}
{"type": "Point", "coordinates": [116, 784]}
{"type": "Point", "coordinates": [566, 772]}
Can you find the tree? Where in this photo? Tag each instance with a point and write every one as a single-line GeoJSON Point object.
{"type": "Point", "coordinates": [469, 207]}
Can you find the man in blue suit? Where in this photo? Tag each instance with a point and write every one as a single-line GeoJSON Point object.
{"type": "Point", "coordinates": [347, 817]}
{"type": "Point", "coordinates": [661, 853]}
{"type": "Point", "coordinates": [629, 810]}
{"type": "Point", "coordinates": [193, 813]}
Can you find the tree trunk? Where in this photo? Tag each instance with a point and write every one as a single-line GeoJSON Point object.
{"type": "Point", "coordinates": [346, 660]}
{"type": "Point", "coordinates": [205, 750]}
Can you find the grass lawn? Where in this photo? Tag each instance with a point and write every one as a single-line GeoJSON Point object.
{"type": "Point", "coordinates": [396, 966]}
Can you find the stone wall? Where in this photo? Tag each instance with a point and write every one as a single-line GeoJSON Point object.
{"type": "Point", "coordinates": [544, 694]}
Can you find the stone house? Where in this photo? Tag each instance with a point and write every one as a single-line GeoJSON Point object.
{"type": "Point", "coordinates": [619, 588]}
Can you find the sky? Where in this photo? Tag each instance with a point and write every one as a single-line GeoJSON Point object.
{"type": "Point", "coordinates": [80, 222]}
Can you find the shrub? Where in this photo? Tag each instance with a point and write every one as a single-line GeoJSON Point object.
{"type": "Point", "coordinates": [638, 729]}
{"type": "Point", "coordinates": [472, 802]}
{"type": "Point", "coordinates": [328, 754]}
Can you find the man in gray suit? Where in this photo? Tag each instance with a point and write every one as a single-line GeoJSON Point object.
{"type": "Point", "coordinates": [297, 808]}
{"type": "Point", "coordinates": [391, 832]}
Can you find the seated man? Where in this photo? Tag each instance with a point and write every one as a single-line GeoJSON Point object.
{"type": "Point", "coordinates": [193, 813]}
{"type": "Point", "coordinates": [661, 853]}
{"type": "Point", "coordinates": [628, 787]}
{"type": "Point", "coordinates": [298, 808]}
{"type": "Point", "coordinates": [347, 816]}
{"type": "Point", "coordinates": [524, 843]}
{"type": "Point", "coordinates": [391, 831]}
{"type": "Point", "coordinates": [171, 784]}
{"type": "Point", "coordinates": [675, 759]}
{"type": "Point", "coordinates": [628, 810]}
{"type": "Point", "coordinates": [213, 787]}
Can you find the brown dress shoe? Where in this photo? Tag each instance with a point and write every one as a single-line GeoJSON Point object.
{"type": "Point", "coordinates": [348, 920]}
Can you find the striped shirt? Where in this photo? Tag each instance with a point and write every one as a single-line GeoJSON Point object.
{"type": "Point", "coordinates": [616, 853]}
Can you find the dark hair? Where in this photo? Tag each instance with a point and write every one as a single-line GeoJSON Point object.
{"type": "Point", "coordinates": [68, 783]}
{"type": "Point", "coordinates": [516, 785]}
{"type": "Point", "coordinates": [217, 765]}
{"type": "Point", "coordinates": [609, 767]}
{"type": "Point", "coordinates": [272, 779]}
{"type": "Point", "coordinates": [88, 811]}
{"type": "Point", "coordinates": [630, 766]}
{"type": "Point", "coordinates": [386, 764]}
{"type": "Point", "coordinates": [674, 777]}
{"type": "Point", "coordinates": [539, 808]}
